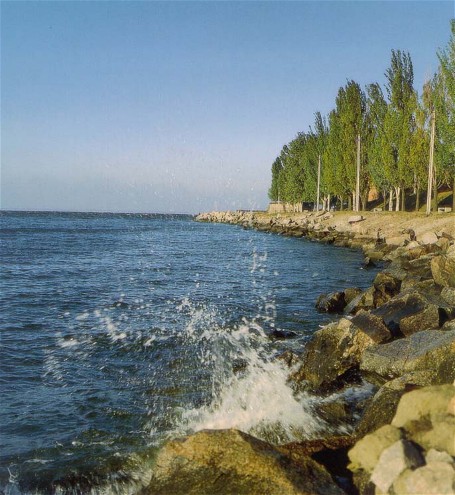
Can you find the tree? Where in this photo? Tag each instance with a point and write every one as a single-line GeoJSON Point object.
{"type": "Point", "coordinates": [274, 191]}
{"type": "Point", "coordinates": [444, 103]}
{"type": "Point", "coordinates": [398, 123]}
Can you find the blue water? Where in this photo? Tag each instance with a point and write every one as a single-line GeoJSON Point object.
{"type": "Point", "coordinates": [120, 331]}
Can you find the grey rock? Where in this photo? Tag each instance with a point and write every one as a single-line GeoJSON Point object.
{"type": "Point", "coordinates": [366, 452]}
{"type": "Point", "coordinates": [393, 461]}
{"type": "Point", "coordinates": [436, 478]}
{"type": "Point", "coordinates": [428, 238]}
{"type": "Point", "coordinates": [408, 313]}
{"type": "Point", "coordinates": [427, 350]}
{"type": "Point", "coordinates": [434, 455]}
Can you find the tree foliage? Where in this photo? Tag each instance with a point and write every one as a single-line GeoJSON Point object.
{"type": "Point", "coordinates": [394, 125]}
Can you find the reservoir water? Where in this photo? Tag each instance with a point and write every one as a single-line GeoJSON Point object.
{"type": "Point", "coordinates": [119, 331]}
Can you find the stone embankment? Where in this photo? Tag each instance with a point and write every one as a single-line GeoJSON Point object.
{"type": "Point", "coordinates": [398, 335]}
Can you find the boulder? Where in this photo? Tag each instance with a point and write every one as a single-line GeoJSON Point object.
{"type": "Point", "coordinates": [436, 478]}
{"type": "Point", "coordinates": [427, 350]}
{"type": "Point", "coordinates": [393, 461]}
{"type": "Point", "coordinates": [366, 452]}
{"type": "Point", "coordinates": [381, 408]}
{"type": "Point", "coordinates": [234, 463]}
{"type": "Point", "coordinates": [371, 325]}
{"type": "Point", "coordinates": [428, 417]}
{"type": "Point", "coordinates": [355, 218]}
{"type": "Point", "coordinates": [428, 402]}
{"type": "Point", "coordinates": [408, 313]}
{"type": "Point", "coordinates": [350, 293]}
{"type": "Point", "coordinates": [331, 303]}
{"type": "Point", "coordinates": [333, 351]}
{"type": "Point", "coordinates": [428, 238]}
{"type": "Point", "coordinates": [448, 294]}
{"type": "Point", "coordinates": [387, 285]}
{"type": "Point", "coordinates": [443, 270]}
{"type": "Point", "coordinates": [365, 300]}
{"type": "Point", "coordinates": [434, 455]}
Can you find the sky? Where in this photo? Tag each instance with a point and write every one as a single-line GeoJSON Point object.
{"type": "Point", "coordinates": [182, 107]}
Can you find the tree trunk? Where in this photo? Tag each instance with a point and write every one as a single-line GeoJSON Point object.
{"type": "Point", "coordinates": [435, 191]}
{"type": "Point", "coordinates": [328, 202]}
{"type": "Point", "coordinates": [341, 203]}
{"type": "Point", "coordinates": [397, 200]}
{"type": "Point", "coordinates": [453, 194]}
{"type": "Point", "coordinates": [349, 202]}
{"type": "Point", "coordinates": [384, 199]}
{"type": "Point", "coordinates": [417, 197]}
{"type": "Point", "coordinates": [391, 200]}
{"type": "Point", "coordinates": [403, 199]}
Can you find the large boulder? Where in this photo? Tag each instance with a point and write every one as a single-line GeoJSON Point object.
{"type": "Point", "coordinates": [333, 351]}
{"type": "Point", "coordinates": [415, 453]}
{"type": "Point", "coordinates": [408, 313]}
{"type": "Point", "coordinates": [428, 415]}
{"type": "Point", "coordinates": [427, 350]}
{"type": "Point", "coordinates": [393, 461]}
{"type": "Point", "coordinates": [443, 270]}
{"type": "Point", "coordinates": [435, 478]}
{"type": "Point", "coordinates": [381, 408]}
{"type": "Point", "coordinates": [234, 463]}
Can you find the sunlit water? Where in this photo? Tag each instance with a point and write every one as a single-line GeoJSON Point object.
{"type": "Point", "coordinates": [121, 331]}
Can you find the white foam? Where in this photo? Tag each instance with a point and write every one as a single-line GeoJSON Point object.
{"type": "Point", "coordinates": [256, 398]}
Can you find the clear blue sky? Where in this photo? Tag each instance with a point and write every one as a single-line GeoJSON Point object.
{"type": "Point", "coordinates": [182, 106]}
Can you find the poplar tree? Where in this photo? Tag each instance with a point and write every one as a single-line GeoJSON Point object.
{"type": "Point", "coordinates": [445, 111]}
{"type": "Point", "coordinates": [398, 123]}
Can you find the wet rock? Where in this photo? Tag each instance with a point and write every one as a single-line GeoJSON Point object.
{"type": "Point", "coordinates": [393, 461]}
{"type": "Point", "coordinates": [443, 270]}
{"type": "Point", "coordinates": [290, 358]}
{"type": "Point", "coordinates": [371, 325]}
{"type": "Point", "coordinates": [331, 303]}
{"type": "Point", "coordinates": [427, 350]}
{"type": "Point", "coordinates": [282, 334]}
{"type": "Point", "coordinates": [436, 478]}
{"type": "Point", "coordinates": [234, 463]}
{"type": "Point", "coordinates": [333, 351]}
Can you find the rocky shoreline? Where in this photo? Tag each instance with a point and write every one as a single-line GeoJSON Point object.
{"type": "Point", "coordinates": [398, 335]}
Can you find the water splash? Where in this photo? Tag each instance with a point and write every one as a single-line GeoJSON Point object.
{"type": "Point", "coordinates": [250, 389]}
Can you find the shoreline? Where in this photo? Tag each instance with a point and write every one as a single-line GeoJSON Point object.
{"type": "Point", "coordinates": [398, 335]}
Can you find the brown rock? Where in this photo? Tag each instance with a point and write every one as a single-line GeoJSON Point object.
{"type": "Point", "coordinates": [443, 270]}
{"type": "Point", "coordinates": [372, 326]}
{"type": "Point", "coordinates": [333, 351]}
{"type": "Point", "coordinates": [234, 463]}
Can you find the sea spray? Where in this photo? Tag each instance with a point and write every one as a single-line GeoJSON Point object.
{"type": "Point", "coordinates": [250, 388]}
